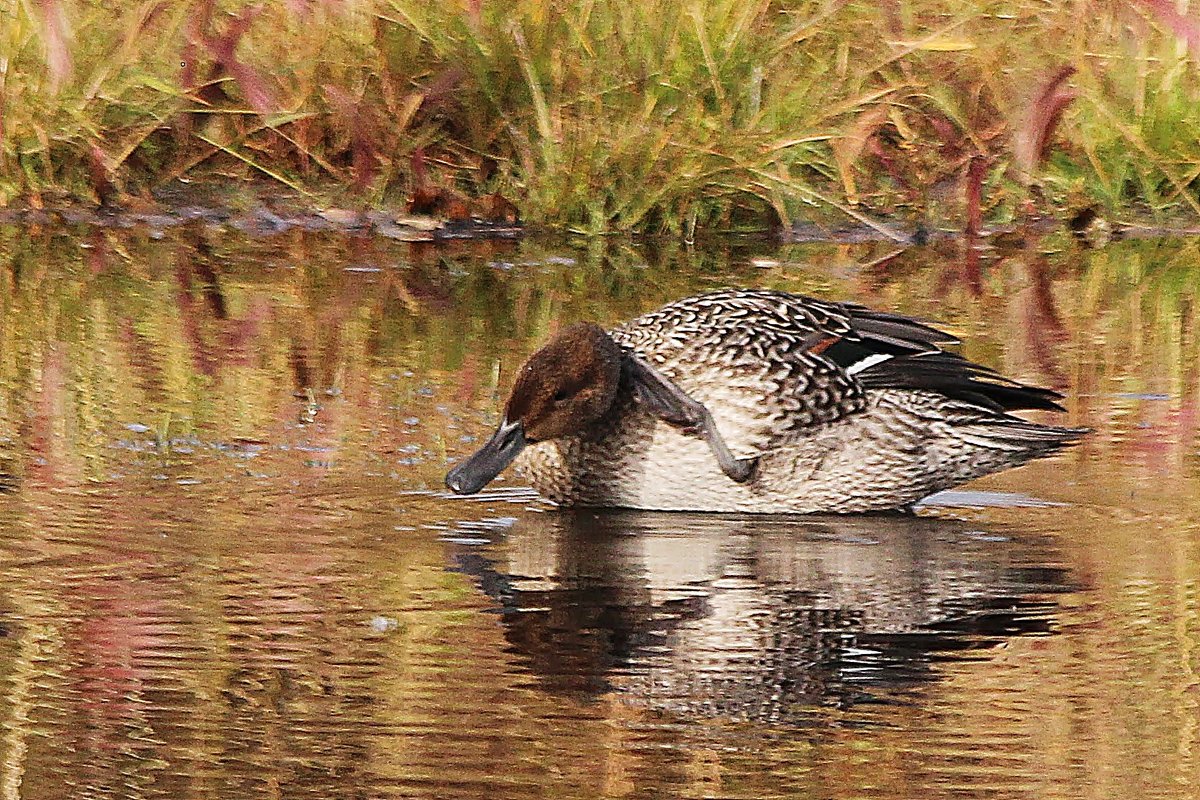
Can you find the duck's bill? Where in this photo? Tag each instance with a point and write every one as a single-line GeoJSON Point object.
{"type": "Point", "coordinates": [480, 469]}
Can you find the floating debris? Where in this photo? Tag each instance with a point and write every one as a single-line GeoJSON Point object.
{"type": "Point", "coordinates": [382, 624]}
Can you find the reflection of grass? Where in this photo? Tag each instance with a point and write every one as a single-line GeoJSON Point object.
{"type": "Point", "coordinates": [259, 621]}
{"type": "Point", "coordinates": [603, 114]}
{"type": "Point", "coordinates": [228, 345]}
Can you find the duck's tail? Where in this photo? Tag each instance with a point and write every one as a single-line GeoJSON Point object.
{"type": "Point", "coordinates": [1005, 432]}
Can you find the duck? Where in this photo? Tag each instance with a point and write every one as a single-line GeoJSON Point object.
{"type": "Point", "coordinates": [759, 401]}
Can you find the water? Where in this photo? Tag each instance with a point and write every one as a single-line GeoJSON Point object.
{"type": "Point", "coordinates": [227, 568]}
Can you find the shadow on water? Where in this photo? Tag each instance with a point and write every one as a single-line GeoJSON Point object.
{"type": "Point", "coordinates": [757, 618]}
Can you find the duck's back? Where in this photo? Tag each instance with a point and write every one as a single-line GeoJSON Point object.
{"type": "Point", "coordinates": [764, 362]}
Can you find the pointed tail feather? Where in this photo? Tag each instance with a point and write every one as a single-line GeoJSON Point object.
{"type": "Point", "coordinates": [1015, 434]}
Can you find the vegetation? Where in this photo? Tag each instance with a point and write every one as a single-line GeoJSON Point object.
{"type": "Point", "coordinates": [602, 115]}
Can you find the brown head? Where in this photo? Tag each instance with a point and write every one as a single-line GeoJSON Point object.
{"type": "Point", "coordinates": [562, 389]}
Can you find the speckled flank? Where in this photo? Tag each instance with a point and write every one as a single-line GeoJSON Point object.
{"type": "Point", "coordinates": [825, 441]}
{"type": "Point", "coordinates": [890, 456]}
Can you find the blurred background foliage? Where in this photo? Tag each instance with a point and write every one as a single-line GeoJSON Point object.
{"type": "Point", "coordinates": [600, 115]}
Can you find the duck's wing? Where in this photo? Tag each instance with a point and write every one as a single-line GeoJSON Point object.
{"type": "Point", "coordinates": [767, 364]}
{"type": "Point", "coordinates": [756, 359]}
{"type": "Point", "coordinates": [888, 351]}
{"type": "Point", "coordinates": [959, 379]}
{"type": "Point", "coordinates": [755, 326]}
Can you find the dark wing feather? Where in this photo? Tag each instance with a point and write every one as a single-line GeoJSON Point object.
{"type": "Point", "coordinates": [909, 335]}
{"type": "Point", "coordinates": [915, 360]}
{"type": "Point", "coordinates": [956, 377]}
{"type": "Point", "coordinates": [874, 334]}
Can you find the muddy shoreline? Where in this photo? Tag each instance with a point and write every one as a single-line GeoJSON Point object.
{"type": "Point", "coordinates": [398, 225]}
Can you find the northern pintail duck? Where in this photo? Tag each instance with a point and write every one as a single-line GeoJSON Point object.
{"type": "Point", "coordinates": [753, 400]}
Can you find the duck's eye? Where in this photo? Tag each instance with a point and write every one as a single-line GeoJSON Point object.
{"type": "Point", "coordinates": [560, 395]}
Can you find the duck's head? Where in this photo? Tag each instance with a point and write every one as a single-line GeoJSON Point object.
{"type": "Point", "coordinates": [562, 389]}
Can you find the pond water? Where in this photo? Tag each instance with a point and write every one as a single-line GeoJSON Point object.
{"type": "Point", "coordinates": [227, 567]}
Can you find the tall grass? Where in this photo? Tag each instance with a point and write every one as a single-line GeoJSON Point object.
{"type": "Point", "coordinates": [599, 115]}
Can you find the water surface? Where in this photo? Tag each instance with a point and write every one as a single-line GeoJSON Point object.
{"type": "Point", "coordinates": [227, 568]}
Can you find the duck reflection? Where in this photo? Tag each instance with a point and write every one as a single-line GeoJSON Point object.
{"type": "Point", "coordinates": [757, 618]}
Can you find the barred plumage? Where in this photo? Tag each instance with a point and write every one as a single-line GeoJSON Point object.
{"type": "Point", "coordinates": [828, 406]}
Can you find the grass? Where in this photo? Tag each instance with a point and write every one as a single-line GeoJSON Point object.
{"type": "Point", "coordinates": [599, 115]}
